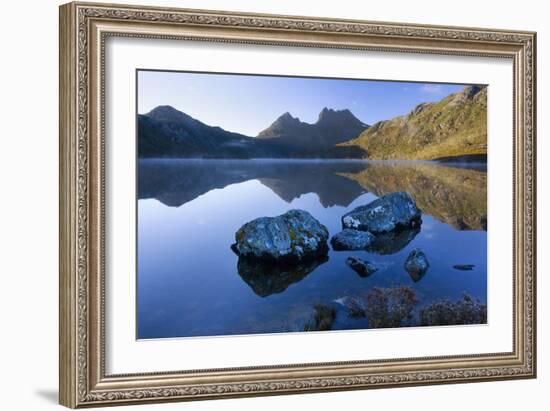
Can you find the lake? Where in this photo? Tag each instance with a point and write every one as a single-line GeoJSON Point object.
{"type": "Point", "coordinates": [190, 283]}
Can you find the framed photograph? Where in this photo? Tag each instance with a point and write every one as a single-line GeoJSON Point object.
{"type": "Point", "coordinates": [259, 204]}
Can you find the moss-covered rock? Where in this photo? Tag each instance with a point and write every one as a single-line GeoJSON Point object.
{"type": "Point", "coordinates": [387, 213]}
{"type": "Point", "coordinates": [292, 237]}
{"type": "Point", "coordinates": [349, 239]}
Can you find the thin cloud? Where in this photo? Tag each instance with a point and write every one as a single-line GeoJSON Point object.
{"type": "Point", "coordinates": [432, 89]}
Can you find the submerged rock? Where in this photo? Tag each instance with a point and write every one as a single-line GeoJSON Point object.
{"type": "Point", "coordinates": [322, 318]}
{"type": "Point", "coordinates": [354, 306]}
{"type": "Point", "coordinates": [463, 311]}
{"type": "Point", "coordinates": [362, 267]}
{"type": "Point", "coordinates": [267, 278]}
{"type": "Point", "coordinates": [383, 307]}
{"type": "Point", "coordinates": [292, 237]}
{"type": "Point", "coordinates": [417, 264]}
{"type": "Point", "coordinates": [464, 267]}
{"type": "Point", "coordinates": [390, 307]}
{"type": "Point", "coordinates": [387, 213]}
{"type": "Point", "coordinates": [349, 239]}
{"type": "Point", "coordinates": [393, 241]}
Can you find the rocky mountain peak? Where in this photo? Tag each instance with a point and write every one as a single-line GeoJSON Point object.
{"type": "Point", "coordinates": [468, 93]}
{"type": "Point", "coordinates": [287, 117]}
{"type": "Point", "coordinates": [167, 114]}
{"type": "Point", "coordinates": [332, 127]}
{"type": "Point", "coordinates": [471, 91]}
{"type": "Point", "coordinates": [331, 115]}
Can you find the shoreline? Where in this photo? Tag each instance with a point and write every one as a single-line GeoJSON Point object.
{"type": "Point", "coordinates": [441, 161]}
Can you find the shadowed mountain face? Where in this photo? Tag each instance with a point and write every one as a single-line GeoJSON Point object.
{"type": "Point", "coordinates": [169, 133]}
{"type": "Point", "coordinates": [453, 195]}
{"type": "Point", "coordinates": [331, 128]}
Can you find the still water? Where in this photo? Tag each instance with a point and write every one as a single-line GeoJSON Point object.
{"type": "Point", "coordinates": [190, 282]}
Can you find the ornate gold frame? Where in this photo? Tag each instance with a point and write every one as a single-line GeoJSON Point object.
{"type": "Point", "coordinates": [83, 30]}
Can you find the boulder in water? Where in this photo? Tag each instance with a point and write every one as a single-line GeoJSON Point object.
{"type": "Point", "coordinates": [349, 239]}
{"type": "Point", "coordinates": [292, 237]}
{"type": "Point", "coordinates": [387, 213]}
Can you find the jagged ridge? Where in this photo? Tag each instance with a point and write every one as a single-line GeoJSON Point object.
{"type": "Point", "coordinates": [332, 127]}
{"type": "Point", "coordinates": [167, 132]}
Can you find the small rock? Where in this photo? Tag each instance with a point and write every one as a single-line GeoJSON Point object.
{"type": "Point", "coordinates": [417, 264]}
{"type": "Point", "coordinates": [292, 237]}
{"type": "Point", "coordinates": [387, 213]}
{"type": "Point", "coordinates": [362, 267]}
{"type": "Point", "coordinates": [464, 267]}
{"type": "Point", "coordinates": [349, 239]}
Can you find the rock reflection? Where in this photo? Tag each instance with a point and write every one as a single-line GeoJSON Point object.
{"type": "Point", "coordinates": [266, 278]}
{"type": "Point", "coordinates": [393, 241]}
{"type": "Point", "coordinates": [416, 276]}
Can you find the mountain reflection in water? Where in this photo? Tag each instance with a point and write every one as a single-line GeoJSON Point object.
{"type": "Point", "coordinates": [453, 194]}
{"type": "Point", "coordinates": [190, 282]}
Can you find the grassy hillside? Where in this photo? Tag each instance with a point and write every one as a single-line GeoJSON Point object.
{"type": "Point", "coordinates": [455, 126]}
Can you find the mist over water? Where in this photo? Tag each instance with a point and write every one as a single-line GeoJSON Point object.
{"type": "Point", "coordinates": [190, 283]}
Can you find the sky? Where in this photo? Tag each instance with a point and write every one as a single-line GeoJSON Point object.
{"type": "Point", "coordinates": [248, 104]}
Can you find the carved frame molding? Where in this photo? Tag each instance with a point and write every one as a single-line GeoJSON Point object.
{"type": "Point", "coordinates": [84, 27]}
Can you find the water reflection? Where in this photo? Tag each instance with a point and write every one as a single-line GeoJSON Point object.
{"type": "Point", "coordinates": [266, 279]}
{"type": "Point", "coordinates": [190, 283]}
{"type": "Point", "coordinates": [455, 195]}
{"type": "Point", "coordinates": [416, 276]}
{"type": "Point", "coordinates": [176, 182]}
{"type": "Point", "coordinates": [393, 241]}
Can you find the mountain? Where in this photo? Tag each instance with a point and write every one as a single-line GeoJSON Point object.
{"type": "Point", "coordinates": [167, 132]}
{"type": "Point", "coordinates": [332, 127]}
{"type": "Point", "coordinates": [454, 127]}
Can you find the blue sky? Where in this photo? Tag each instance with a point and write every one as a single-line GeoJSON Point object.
{"type": "Point", "coordinates": [248, 104]}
